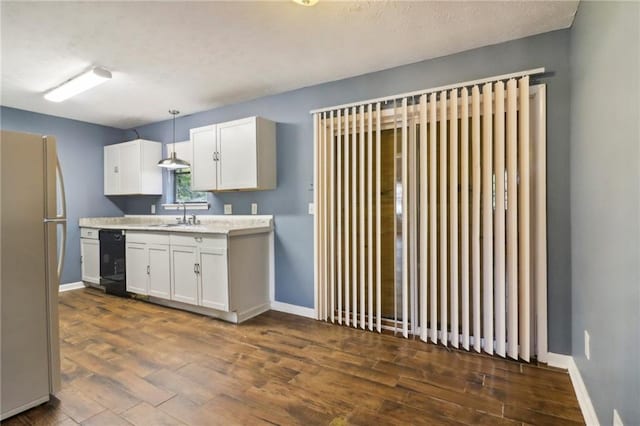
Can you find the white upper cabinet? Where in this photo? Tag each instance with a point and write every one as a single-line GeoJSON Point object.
{"type": "Point", "coordinates": [236, 155]}
{"type": "Point", "coordinates": [132, 168]}
{"type": "Point", "coordinates": [111, 169]}
{"type": "Point", "coordinates": [204, 170]}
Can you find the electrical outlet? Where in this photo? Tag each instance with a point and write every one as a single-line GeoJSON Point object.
{"type": "Point", "coordinates": [617, 421]}
{"type": "Point", "coordinates": [153, 209]}
{"type": "Point", "coordinates": [228, 209]}
{"type": "Point", "coordinates": [587, 344]}
{"type": "Point", "coordinates": [254, 208]}
{"type": "Point", "coordinates": [311, 208]}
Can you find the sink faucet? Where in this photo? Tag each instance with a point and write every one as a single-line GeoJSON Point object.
{"type": "Point", "coordinates": [184, 213]}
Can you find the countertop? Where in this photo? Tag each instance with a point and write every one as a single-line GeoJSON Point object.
{"type": "Point", "coordinates": [209, 224]}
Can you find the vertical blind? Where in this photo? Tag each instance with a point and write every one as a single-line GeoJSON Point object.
{"type": "Point", "coordinates": [431, 216]}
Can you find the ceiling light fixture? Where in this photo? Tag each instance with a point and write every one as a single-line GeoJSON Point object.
{"type": "Point", "coordinates": [306, 2]}
{"type": "Point", "coordinates": [78, 84]}
{"type": "Point", "coordinates": [173, 162]}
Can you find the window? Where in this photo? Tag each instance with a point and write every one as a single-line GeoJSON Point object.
{"type": "Point", "coordinates": [182, 188]}
{"type": "Point", "coordinates": [182, 177]}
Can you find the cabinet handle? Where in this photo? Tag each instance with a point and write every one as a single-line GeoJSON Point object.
{"type": "Point", "coordinates": [148, 269]}
{"type": "Point", "coordinates": [115, 169]}
{"type": "Point", "coordinates": [198, 239]}
{"type": "Point", "coordinates": [196, 268]}
{"type": "Point", "coordinates": [214, 156]}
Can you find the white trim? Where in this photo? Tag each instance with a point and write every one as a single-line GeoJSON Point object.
{"type": "Point", "coordinates": [272, 267]}
{"type": "Point", "coordinates": [559, 360]}
{"type": "Point", "coordinates": [534, 71]}
{"type": "Point", "coordinates": [200, 205]}
{"type": "Point", "coordinates": [203, 310]}
{"type": "Point", "coordinates": [71, 286]}
{"type": "Point", "coordinates": [617, 421]}
{"type": "Point", "coordinates": [302, 311]}
{"type": "Point", "coordinates": [586, 406]}
{"type": "Point", "coordinates": [316, 142]}
{"type": "Point", "coordinates": [252, 312]}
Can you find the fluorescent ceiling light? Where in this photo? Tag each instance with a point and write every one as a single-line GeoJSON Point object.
{"type": "Point", "coordinates": [306, 2]}
{"type": "Point", "coordinates": [79, 84]}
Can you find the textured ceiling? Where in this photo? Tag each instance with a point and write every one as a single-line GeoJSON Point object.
{"type": "Point", "coordinates": [196, 56]}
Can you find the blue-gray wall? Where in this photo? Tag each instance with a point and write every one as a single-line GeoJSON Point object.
{"type": "Point", "coordinates": [294, 227]}
{"type": "Point", "coordinates": [605, 204]}
{"type": "Point", "coordinates": [80, 153]}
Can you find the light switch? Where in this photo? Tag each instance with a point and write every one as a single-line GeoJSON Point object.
{"type": "Point", "coordinates": [587, 345]}
{"type": "Point", "coordinates": [153, 209]}
{"type": "Point", "coordinates": [254, 208]}
{"type": "Point", "coordinates": [228, 209]}
{"type": "Point", "coordinates": [311, 208]}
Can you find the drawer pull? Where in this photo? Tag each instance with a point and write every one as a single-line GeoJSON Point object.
{"type": "Point", "coordinates": [198, 239]}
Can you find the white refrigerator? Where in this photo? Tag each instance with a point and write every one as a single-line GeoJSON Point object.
{"type": "Point", "coordinates": [33, 235]}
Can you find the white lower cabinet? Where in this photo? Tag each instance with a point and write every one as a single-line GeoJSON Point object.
{"type": "Point", "coordinates": [227, 277]}
{"type": "Point", "coordinates": [184, 277]}
{"type": "Point", "coordinates": [159, 271]}
{"type": "Point", "coordinates": [200, 274]}
{"type": "Point", "coordinates": [90, 259]}
{"type": "Point", "coordinates": [137, 266]}
{"type": "Point", "coordinates": [212, 272]}
{"type": "Point", "coordinates": [148, 264]}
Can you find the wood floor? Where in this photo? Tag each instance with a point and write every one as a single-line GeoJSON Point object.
{"type": "Point", "coordinates": [129, 362]}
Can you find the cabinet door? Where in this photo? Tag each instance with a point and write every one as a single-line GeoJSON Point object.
{"type": "Point", "coordinates": [237, 165]}
{"type": "Point", "coordinates": [90, 255]}
{"type": "Point", "coordinates": [213, 278]}
{"type": "Point", "coordinates": [137, 268]}
{"type": "Point", "coordinates": [111, 170]}
{"type": "Point", "coordinates": [159, 271]}
{"type": "Point", "coordinates": [184, 280]}
{"type": "Point", "coordinates": [203, 165]}
{"type": "Point", "coordinates": [130, 168]}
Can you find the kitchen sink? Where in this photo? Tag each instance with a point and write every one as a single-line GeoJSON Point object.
{"type": "Point", "coordinates": [168, 225]}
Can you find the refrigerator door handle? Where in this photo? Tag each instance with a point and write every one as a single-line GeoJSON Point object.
{"type": "Point", "coordinates": [63, 249]}
{"type": "Point", "coordinates": [63, 195]}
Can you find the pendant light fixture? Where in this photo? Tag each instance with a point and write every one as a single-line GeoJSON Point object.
{"type": "Point", "coordinates": [173, 162]}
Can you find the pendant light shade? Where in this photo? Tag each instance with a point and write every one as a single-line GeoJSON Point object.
{"type": "Point", "coordinates": [173, 162]}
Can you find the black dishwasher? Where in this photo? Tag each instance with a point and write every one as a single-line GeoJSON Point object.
{"type": "Point", "coordinates": [112, 261]}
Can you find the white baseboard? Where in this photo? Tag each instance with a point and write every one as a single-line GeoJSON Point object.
{"type": "Point", "coordinates": [293, 309]}
{"type": "Point", "coordinates": [71, 286]}
{"type": "Point", "coordinates": [567, 362]}
{"type": "Point", "coordinates": [559, 360]}
{"type": "Point", "coordinates": [253, 312]}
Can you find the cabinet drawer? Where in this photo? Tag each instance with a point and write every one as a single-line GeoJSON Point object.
{"type": "Point", "coordinates": [148, 237]}
{"type": "Point", "coordinates": [89, 233]}
{"type": "Point", "coordinates": [199, 240]}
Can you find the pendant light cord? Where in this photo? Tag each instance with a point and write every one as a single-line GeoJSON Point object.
{"type": "Point", "coordinates": [174, 112]}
